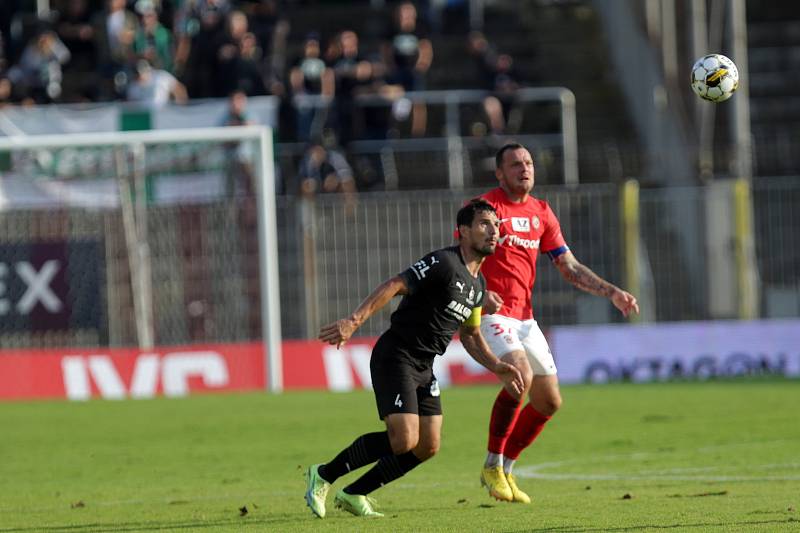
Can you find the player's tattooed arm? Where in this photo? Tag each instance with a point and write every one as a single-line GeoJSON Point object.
{"type": "Point", "coordinates": [583, 278]}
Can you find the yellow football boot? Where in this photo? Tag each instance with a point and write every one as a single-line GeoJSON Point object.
{"type": "Point", "coordinates": [494, 479]}
{"type": "Point", "coordinates": [519, 496]}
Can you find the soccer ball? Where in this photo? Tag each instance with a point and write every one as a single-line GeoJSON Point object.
{"type": "Point", "coordinates": [714, 78]}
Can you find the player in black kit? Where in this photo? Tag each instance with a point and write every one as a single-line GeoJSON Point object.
{"type": "Point", "coordinates": [442, 294]}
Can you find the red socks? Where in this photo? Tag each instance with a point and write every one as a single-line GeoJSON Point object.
{"type": "Point", "coordinates": [528, 426]}
{"type": "Point", "coordinates": [504, 415]}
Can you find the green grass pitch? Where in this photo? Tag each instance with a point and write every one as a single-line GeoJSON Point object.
{"type": "Point", "coordinates": [678, 457]}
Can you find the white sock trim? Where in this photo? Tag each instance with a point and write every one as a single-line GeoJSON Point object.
{"type": "Point", "coordinates": [508, 465]}
{"type": "Point", "coordinates": [493, 460]}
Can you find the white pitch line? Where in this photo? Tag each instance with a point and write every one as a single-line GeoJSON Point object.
{"type": "Point", "coordinates": [539, 471]}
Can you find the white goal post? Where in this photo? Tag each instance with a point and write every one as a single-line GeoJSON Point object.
{"type": "Point", "coordinates": [135, 143]}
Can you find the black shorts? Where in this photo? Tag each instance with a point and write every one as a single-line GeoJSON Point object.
{"type": "Point", "coordinates": [402, 382]}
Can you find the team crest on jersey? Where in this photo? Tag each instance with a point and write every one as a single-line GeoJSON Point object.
{"type": "Point", "coordinates": [536, 222]}
{"type": "Point", "coordinates": [521, 224]}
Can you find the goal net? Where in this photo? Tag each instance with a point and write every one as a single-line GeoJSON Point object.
{"type": "Point", "coordinates": [140, 239]}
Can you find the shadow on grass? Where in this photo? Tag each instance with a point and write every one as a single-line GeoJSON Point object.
{"type": "Point", "coordinates": [191, 525]}
{"type": "Point", "coordinates": [740, 525]}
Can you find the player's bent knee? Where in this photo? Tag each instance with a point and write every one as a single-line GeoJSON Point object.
{"type": "Point", "coordinates": [550, 405]}
{"type": "Point", "coordinates": [425, 451]}
{"type": "Point", "coordinates": [403, 443]}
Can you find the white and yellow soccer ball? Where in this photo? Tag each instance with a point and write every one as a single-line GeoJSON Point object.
{"type": "Point", "coordinates": [715, 78]}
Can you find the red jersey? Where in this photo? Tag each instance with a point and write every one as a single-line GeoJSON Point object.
{"type": "Point", "coordinates": [525, 228]}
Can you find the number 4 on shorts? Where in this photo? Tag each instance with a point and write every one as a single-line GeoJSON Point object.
{"type": "Point", "coordinates": [398, 402]}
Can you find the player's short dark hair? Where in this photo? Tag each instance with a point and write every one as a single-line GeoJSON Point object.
{"type": "Point", "coordinates": [498, 157]}
{"type": "Point", "coordinates": [467, 213]}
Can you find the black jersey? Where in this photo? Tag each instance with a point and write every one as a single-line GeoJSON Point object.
{"type": "Point", "coordinates": [441, 296]}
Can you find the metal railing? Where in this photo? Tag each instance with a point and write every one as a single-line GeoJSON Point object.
{"type": "Point", "coordinates": [451, 157]}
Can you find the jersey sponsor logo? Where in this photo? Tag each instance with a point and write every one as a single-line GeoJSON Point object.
{"type": "Point", "coordinates": [421, 267]}
{"type": "Point", "coordinates": [514, 240]}
{"type": "Point", "coordinates": [521, 224]}
{"type": "Point", "coordinates": [460, 311]}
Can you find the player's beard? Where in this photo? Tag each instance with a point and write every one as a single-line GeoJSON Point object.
{"type": "Point", "coordinates": [484, 250]}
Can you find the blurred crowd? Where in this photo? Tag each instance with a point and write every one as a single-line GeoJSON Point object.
{"type": "Point", "coordinates": [160, 51]}
{"type": "Point", "coordinates": [155, 50]}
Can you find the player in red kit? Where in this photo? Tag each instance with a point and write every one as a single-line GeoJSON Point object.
{"type": "Point", "coordinates": [527, 226]}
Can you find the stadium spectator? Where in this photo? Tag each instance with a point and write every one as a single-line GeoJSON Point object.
{"type": "Point", "coordinates": [264, 18]}
{"type": "Point", "coordinates": [248, 71]}
{"type": "Point", "coordinates": [201, 30]}
{"type": "Point", "coordinates": [354, 75]}
{"type": "Point", "coordinates": [115, 29]}
{"type": "Point", "coordinates": [496, 74]}
{"type": "Point", "coordinates": [153, 41]}
{"type": "Point", "coordinates": [236, 111]}
{"type": "Point", "coordinates": [442, 293]}
{"type": "Point", "coordinates": [37, 74]}
{"type": "Point", "coordinates": [408, 54]}
{"type": "Point", "coordinates": [154, 87]}
{"type": "Point", "coordinates": [5, 91]}
{"type": "Point", "coordinates": [313, 85]}
{"type": "Point", "coordinates": [239, 155]}
{"type": "Point", "coordinates": [271, 30]}
{"type": "Point", "coordinates": [511, 332]}
{"type": "Point", "coordinates": [76, 31]}
{"type": "Point", "coordinates": [228, 52]}
{"type": "Point", "coordinates": [324, 169]}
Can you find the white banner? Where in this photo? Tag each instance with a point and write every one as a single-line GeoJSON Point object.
{"type": "Point", "coordinates": [100, 117]}
{"type": "Point", "coordinates": [52, 119]}
{"type": "Point", "coordinates": [659, 352]}
{"type": "Point", "coordinates": [212, 113]}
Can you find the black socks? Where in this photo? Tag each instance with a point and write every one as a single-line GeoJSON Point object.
{"type": "Point", "coordinates": [389, 468]}
{"type": "Point", "coordinates": [364, 450]}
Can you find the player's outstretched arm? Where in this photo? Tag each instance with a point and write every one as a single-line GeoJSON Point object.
{"type": "Point", "coordinates": [340, 331]}
{"type": "Point", "coordinates": [477, 348]}
{"type": "Point", "coordinates": [583, 278]}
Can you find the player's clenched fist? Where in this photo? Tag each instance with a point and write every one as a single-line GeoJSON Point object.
{"type": "Point", "coordinates": [337, 332]}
